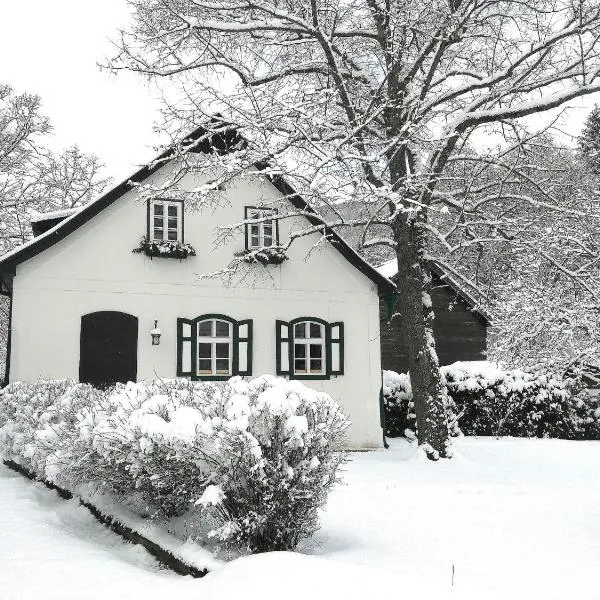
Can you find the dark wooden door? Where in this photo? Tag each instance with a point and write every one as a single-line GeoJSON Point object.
{"type": "Point", "coordinates": [108, 348]}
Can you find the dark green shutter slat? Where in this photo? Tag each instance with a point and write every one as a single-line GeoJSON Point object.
{"type": "Point", "coordinates": [279, 339]}
{"type": "Point", "coordinates": [340, 343]}
{"type": "Point", "coordinates": [183, 338]}
{"type": "Point", "coordinates": [249, 341]}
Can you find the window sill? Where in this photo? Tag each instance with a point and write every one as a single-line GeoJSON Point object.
{"type": "Point", "coordinates": [310, 377]}
{"type": "Point", "coordinates": [211, 377]}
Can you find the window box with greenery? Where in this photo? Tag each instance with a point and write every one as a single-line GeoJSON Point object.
{"type": "Point", "coordinates": [274, 255]}
{"type": "Point", "coordinates": [165, 249]}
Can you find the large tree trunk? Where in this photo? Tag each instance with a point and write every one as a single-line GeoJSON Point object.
{"type": "Point", "coordinates": [416, 312]}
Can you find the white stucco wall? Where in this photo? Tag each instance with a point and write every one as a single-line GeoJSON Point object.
{"type": "Point", "coordinates": [94, 269]}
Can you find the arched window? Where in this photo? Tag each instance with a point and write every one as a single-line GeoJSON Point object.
{"type": "Point", "coordinates": [214, 347]}
{"type": "Point", "coordinates": [310, 348]}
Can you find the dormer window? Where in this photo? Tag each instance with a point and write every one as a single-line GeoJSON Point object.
{"type": "Point", "coordinates": [165, 221]}
{"type": "Point", "coordinates": [264, 232]}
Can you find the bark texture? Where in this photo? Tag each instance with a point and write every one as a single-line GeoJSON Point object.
{"type": "Point", "coordinates": [416, 311]}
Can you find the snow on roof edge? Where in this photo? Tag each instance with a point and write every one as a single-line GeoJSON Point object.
{"type": "Point", "coordinates": [54, 214]}
{"type": "Point", "coordinates": [390, 268]}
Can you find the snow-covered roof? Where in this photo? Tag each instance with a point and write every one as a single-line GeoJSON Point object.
{"type": "Point", "coordinates": [389, 270]}
{"type": "Point", "coordinates": [54, 214]}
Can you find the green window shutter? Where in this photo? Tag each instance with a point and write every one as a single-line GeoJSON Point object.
{"type": "Point", "coordinates": [335, 350]}
{"type": "Point", "coordinates": [283, 347]}
{"type": "Point", "coordinates": [186, 347]}
{"type": "Point", "coordinates": [243, 348]}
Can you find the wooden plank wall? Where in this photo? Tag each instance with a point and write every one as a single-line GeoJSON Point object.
{"type": "Point", "coordinates": [460, 333]}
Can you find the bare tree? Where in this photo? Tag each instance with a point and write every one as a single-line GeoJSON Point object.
{"type": "Point", "coordinates": [374, 102]}
{"type": "Point", "coordinates": [543, 285]}
{"type": "Point", "coordinates": [33, 179]}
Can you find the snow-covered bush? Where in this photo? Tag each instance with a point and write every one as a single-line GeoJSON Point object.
{"type": "Point", "coordinates": [254, 458]}
{"type": "Point", "coordinates": [400, 418]}
{"type": "Point", "coordinates": [31, 420]}
{"type": "Point", "coordinates": [488, 400]}
{"type": "Point", "coordinates": [493, 401]}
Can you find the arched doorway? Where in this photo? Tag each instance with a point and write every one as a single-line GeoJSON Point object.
{"type": "Point", "coordinates": [108, 348]}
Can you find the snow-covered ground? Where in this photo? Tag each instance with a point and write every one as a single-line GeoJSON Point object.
{"type": "Point", "coordinates": [517, 519]}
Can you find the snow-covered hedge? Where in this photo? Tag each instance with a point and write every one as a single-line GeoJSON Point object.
{"type": "Point", "coordinates": [254, 459]}
{"type": "Point", "coordinates": [398, 405]}
{"type": "Point", "coordinates": [488, 400]}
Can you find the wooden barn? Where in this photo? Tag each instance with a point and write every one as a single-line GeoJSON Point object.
{"type": "Point", "coordinates": [460, 326]}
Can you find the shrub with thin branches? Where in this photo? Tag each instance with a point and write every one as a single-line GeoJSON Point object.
{"type": "Point", "coordinates": [256, 459]}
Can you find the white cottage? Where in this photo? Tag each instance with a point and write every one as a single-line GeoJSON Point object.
{"type": "Point", "coordinates": [84, 306]}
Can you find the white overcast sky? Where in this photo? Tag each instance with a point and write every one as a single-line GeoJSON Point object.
{"type": "Point", "coordinates": [51, 48]}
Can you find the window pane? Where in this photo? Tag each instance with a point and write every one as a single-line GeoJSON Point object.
{"type": "Point", "coordinates": [268, 228]}
{"type": "Point", "coordinates": [172, 235]}
{"type": "Point", "coordinates": [254, 242]}
{"type": "Point", "coordinates": [172, 210]}
{"type": "Point", "coordinates": [158, 233]}
{"type": "Point", "coordinates": [205, 328]}
{"type": "Point", "coordinates": [267, 241]}
{"type": "Point", "coordinates": [172, 223]}
{"type": "Point", "coordinates": [158, 208]}
{"type": "Point", "coordinates": [316, 351]}
{"type": "Point", "coordinates": [316, 365]}
{"type": "Point", "coordinates": [222, 329]}
{"type": "Point", "coordinates": [315, 330]}
{"type": "Point", "coordinates": [300, 366]}
{"type": "Point", "coordinates": [299, 351]}
{"type": "Point", "coordinates": [203, 350]}
{"type": "Point", "coordinates": [158, 221]}
{"type": "Point", "coordinates": [222, 350]}
{"type": "Point", "coordinates": [204, 367]}
{"type": "Point", "coordinates": [254, 229]}
{"type": "Point", "coordinates": [222, 365]}
{"type": "Point", "coordinates": [300, 330]}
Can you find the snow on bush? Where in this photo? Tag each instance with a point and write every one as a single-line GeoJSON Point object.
{"type": "Point", "coordinates": [400, 418]}
{"type": "Point", "coordinates": [255, 459]}
{"type": "Point", "coordinates": [489, 400]}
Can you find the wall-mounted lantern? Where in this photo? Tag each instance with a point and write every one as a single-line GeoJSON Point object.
{"type": "Point", "coordinates": [155, 333]}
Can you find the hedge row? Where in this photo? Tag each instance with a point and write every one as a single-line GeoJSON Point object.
{"type": "Point", "coordinates": [252, 461]}
{"type": "Point", "coordinates": [487, 400]}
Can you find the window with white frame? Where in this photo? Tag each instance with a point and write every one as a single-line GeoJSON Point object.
{"type": "Point", "coordinates": [214, 346]}
{"type": "Point", "coordinates": [263, 233]}
{"type": "Point", "coordinates": [215, 342]}
{"type": "Point", "coordinates": [310, 348]}
{"type": "Point", "coordinates": [165, 221]}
